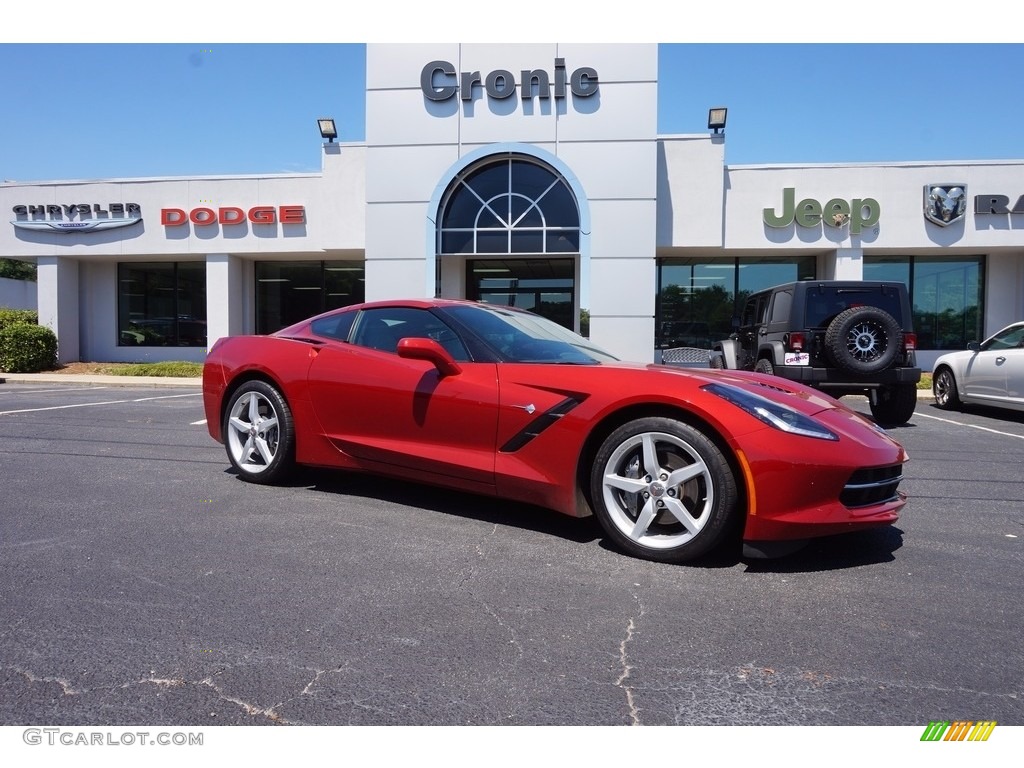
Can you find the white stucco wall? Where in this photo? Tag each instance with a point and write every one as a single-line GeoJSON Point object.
{"type": "Point", "coordinates": [17, 294]}
{"type": "Point", "coordinates": [691, 191]}
{"type": "Point", "coordinates": [605, 142]}
{"type": "Point", "coordinates": [899, 190]}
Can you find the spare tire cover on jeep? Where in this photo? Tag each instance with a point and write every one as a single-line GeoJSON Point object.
{"type": "Point", "coordinates": [863, 340]}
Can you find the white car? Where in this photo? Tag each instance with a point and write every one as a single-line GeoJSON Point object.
{"type": "Point", "coordinates": [990, 373]}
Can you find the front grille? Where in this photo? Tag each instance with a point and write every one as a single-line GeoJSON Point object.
{"type": "Point", "coordinates": [871, 486]}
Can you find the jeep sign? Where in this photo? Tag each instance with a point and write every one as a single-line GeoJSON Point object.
{"type": "Point", "coordinates": [859, 212]}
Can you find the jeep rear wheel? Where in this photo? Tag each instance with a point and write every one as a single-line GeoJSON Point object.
{"type": "Point", "coordinates": [894, 404]}
{"type": "Point", "coordinates": [863, 340]}
{"type": "Point", "coordinates": [764, 365]}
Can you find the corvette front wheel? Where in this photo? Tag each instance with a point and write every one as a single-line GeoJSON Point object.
{"type": "Point", "coordinates": [663, 490]}
{"type": "Point", "coordinates": [259, 434]}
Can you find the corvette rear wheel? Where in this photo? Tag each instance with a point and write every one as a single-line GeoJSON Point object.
{"type": "Point", "coordinates": [259, 433]}
{"type": "Point", "coordinates": [663, 490]}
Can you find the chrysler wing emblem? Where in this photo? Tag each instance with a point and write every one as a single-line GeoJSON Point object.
{"type": "Point", "coordinates": [75, 226]}
{"type": "Point", "coordinates": [945, 204]}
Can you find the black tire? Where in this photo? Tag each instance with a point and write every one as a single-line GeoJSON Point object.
{"type": "Point", "coordinates": [944, 390]}
{"type": "Point", "coordinates": [894, 404]}
{"type": "Point", "coordinates": [717, 362]}
{"type": "Point", "coordinates": [863, 340]}
{"type": "Point", "coordinates": [643, 508]}
{"type": "Point", "coordinates": [259, 434]}
{"type": "Point", "coordinates": [764, 365]}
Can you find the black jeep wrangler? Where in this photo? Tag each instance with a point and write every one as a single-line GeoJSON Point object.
{"type": "Point", "coordinates": [840, 336]}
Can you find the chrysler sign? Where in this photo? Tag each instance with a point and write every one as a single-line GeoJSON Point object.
{"type": "Point", "coordinates": [77, 217]}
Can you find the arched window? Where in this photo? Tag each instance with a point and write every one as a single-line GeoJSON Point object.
{"type": "Point", "coordinates": [508, 205]}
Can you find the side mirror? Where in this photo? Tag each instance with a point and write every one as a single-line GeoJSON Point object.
{"type": "Point", "coordinates": [973, 346]}
{"type": "Point", "coordinates": [414, 348]}
{"type": "Point", "coordinates": [735, 325]}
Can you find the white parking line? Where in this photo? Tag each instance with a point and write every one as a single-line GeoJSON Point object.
{"type": "Point", "coordinates": [105, 402]}
{"type": "Point", "coordinates": [197, 423]}
{"type": "Point", "coordinates": [972, 426]}
{"type": "Point", "coordinates": [61, 389]}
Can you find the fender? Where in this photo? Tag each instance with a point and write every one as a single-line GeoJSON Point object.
{"type": "Point", "coordinates": [730, 349]}
{"type": "Point", "coordinates": [776, 352]}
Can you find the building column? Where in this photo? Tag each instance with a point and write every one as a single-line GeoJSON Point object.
{"type": "Point", "coordinates": [57, 300]}
{"type": "Point", "coordinates": [224, 297]}
{"type": "Point", "coordinates": [843, 264]}
{"type": "Point", "coordinates": [623, 277]}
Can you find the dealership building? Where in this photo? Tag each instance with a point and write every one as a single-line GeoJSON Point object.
{"type": "Point", "coordinates": [530, 175]}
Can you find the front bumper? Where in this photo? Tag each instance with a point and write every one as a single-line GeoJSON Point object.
{"type": "Point", "coordinates": [803, 488]}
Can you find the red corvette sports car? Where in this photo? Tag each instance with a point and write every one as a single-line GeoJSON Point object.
{"type": "Point", "coordinates": [500, 401]}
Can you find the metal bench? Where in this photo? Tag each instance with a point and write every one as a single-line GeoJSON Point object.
{"type": "Point", "coordinates": [689, 357]}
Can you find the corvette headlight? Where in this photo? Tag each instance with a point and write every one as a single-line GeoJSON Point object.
{"type": "Point", "coordinates": [771, 413]}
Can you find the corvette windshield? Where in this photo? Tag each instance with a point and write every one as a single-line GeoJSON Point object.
{"type": "Point", "coordinates": [522, 337]}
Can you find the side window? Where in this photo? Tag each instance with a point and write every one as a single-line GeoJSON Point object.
{"type": "Point", "coordinates": [781, 303]}
{"type": "Point", "coordinates": [749, 311]}
{"type": "Point", "coordinates": [334, 327]}
{"type": "Point", "coordinates": [1012, 339]}
{"type": "Point", "coordinates": [382, 328]}
{"type": "Point", "coordinates": [753, 312]}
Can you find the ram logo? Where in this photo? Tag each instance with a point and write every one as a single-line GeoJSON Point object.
{"type": "Point", "coordinates": [945, 204]}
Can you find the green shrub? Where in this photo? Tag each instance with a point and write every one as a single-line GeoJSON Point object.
{"type": "Point", "coordinates": [17, 317]}
{"type": "Point", "coordinates": [27, 348]}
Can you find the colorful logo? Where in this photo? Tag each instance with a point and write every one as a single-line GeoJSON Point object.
{"type": "Point", "coordinates": [959, 730]}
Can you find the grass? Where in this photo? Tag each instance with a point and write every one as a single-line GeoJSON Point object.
{"type": "Point", "coordinates": [176, 368]}
{"type": "Point", "coordinates": [170, 368]}
{"type": "Point", "coordinates": [925, 382]}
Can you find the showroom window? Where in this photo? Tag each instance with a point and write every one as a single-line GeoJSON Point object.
{"type": "Point", "coordinates": [288, 292]}
{"type": "Point", "coordinates": [698, 298]}
{"type": "Point", "coordinates": [161, 304]}
{"type": "Point", "coordinates": [518, 222]}
{"type": "Point", "coordinates": [510, 206]}
{"type": "Point", "coordinates": [543, 286]}
{"type": "Point", "coordinates": [945, 292]}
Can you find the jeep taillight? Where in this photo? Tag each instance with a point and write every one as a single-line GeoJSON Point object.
{"type": "Point", "coordinates": [796, 342]}
{"type": "Point", "coordinates": [909, 341]}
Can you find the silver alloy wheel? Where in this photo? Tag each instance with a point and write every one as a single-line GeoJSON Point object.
{"type": "Point", "coordinates": [253, 432]}
{"type": "Point", "coordinates": [658, 491]}
{"type": "Point", "coordinates": [944, 389]}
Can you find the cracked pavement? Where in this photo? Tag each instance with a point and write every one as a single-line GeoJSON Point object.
{"type": "Point", "coordinates": [142, 583]}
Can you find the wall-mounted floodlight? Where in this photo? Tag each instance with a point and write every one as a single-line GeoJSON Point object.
{"type": "Point", "coordinates": [716, 119]}
{"type": "Point", "coordinates": [327, 129]}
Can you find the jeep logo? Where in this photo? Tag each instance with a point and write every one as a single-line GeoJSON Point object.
{"type": "Point", "coordinates": [859, 212]}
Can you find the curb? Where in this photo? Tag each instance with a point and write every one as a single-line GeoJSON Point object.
{"type": "Point", "coordinates": [97, 380]}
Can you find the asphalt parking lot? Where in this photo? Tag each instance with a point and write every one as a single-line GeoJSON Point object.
{"type": "Point", "coordinates": [143, 583]}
